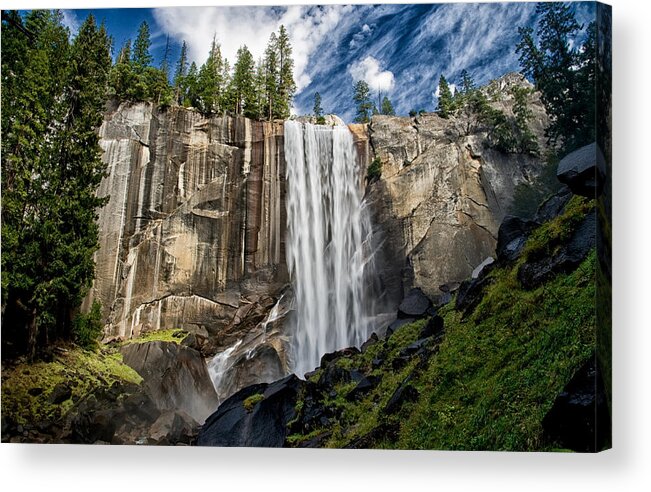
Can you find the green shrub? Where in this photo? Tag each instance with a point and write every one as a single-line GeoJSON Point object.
{"type": "Point", "coordinates": [374, 171]}
{"type": "Point", "coordinates": [87, 327]}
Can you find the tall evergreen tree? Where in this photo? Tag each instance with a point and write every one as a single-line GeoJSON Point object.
{"type": "Point", "coordinates": [446, 100]}
{"type": "Point", "coordinates": [51, 169]}
{"type": "Point", "coordinates": [561, 74]}
{"type": "Point", "coordinates": [271, 75]}
{"type": "Point", "coordinates": [362, 99]}
{"type": "Point", "coordinates": [286, 84]}
{"type": "Point", "coordinates": [179, 74]}
{"type": "Point", "coordinates": [165, 62]}
{"type": "Point", "coordinates": [191, 83]}
{"type": "Point", "coordinates": [318, 110]}
{"type": "Point", "coordinates": [141, 56]}
{"type": "Point", "coordinates": [242, 84]}
{"type": "Point", "coordinates": [210, 83]}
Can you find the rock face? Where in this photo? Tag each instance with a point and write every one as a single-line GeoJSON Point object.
{"type": "Point", "coordinates": [442, 195]}
{"type": "Point", "coordinates": [175, 377]}
{"type": "Point", "coordinates": [195, 218]}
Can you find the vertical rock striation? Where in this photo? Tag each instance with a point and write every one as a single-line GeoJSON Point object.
{"type": "Point", "coordinates": [195, 224]}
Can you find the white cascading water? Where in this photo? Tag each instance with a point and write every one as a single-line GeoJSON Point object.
{"type": "Point", "coordinates": [328, 242]}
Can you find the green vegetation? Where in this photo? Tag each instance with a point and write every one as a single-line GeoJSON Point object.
{"type": "Point", "coordinates": [374, 171]}
{"type": "Point", "coordinates": [564, 72]}
{"type": "Point", "coordinates": [53, 98]}
{"type": "Point", "coordinates": [386, 108]}
{"type": "Point", "coordinates": [494, 375]}
{"type": "Point", "coordinates": [252, 401]}
{"type": "Point", "coordinates": [87, 327]}
{"type": "Point", "coordinates": [318, 110]}
{"type": "Point", "coordinates": [362, 98]}
{"type": "Point", "coordinates": [446, 105]}
{"type": "Point", "coordinates": [174, 335]}
{"type": "Point", "coordinates": [28, 390]}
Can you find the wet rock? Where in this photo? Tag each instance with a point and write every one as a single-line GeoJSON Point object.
{"type": "Point", "coordinates": [414, 305]}
{"type": "Point", "coordinates": [264, 426]}
{"type": "Point", "coordinates": [579, 418]}
{"type": "Point", "coordinates": [174, 376]}
{"type": "Point", "coordinates": [35, 391]}
{"type": "Point", "coordinates": [372, 340]}
{"type": "Point", "coordinates": [583, 171]}
{"type": "Point", "coordinates": [393, 327]}
{"type": "Point", "coordinates": [553, 206]}
{"type": "Point", "coordinates": [512, 236]}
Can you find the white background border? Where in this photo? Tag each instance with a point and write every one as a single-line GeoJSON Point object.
{"type": "Point", "coordinates": [626, 467]}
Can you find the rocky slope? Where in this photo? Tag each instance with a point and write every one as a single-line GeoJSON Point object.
{"type": "Point", "coordinates": [509, 365]}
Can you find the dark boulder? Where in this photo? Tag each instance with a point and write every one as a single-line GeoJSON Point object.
{"type": "Point", "coordinates": [403, 394]}
{"type": "Point", "coordinates": [433, 328]}
{"type": "Point", "coordinates": [414, 305]}
{"type": "Point", "coordinates": [60, 393]}
{"type": "Point", "coordinates": [263, 425]}
{"type": "Point", "coordinates": [372, 340]}
{"type": "Point", "coordinates": [579, 418]}
{"type": "Point", "coordinates": [583, 171]}
{"type": "Point", "coordinates": [329, 357]}
{"type": "Point", "coordinates": [174, 376]}
{"type": "Point", "coordinates": [553, 206]}
{"type": "Point", "coordinates": [568, 257]}
{"type": "Point", "coordinates": [364, 385]}
{"type": "Point", "coordinates": [471, 292]}
{"type": "Point", "coordinates": [512, 236]}
{"type": "Point", "coordinates": [94, 425]}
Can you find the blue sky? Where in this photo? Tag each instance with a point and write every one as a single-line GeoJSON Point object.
{"type": "Point", "coordinates": [398, 49]}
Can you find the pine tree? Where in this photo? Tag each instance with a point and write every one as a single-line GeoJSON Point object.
{"type": "Point", "coordinates": [318, 110]}
{"type": "Point", "coordinates": [141, 56]}
{"type": "Point", "coordinates": [242, 84]}
{"type": "Point", "coordinates": [271, 75]}
{"type": "Point", "coordinates": [179, 74]}
{"type": "Point", "coordinates": [51, 169]}
{"type": "Point", "coordinates": [446, 101]}
{"type": "Point", "coordinates": [525, 140]}
{"type": "Point", "coordinates": [165, 62]}
{"type": "Point", "coordinates": [362, 99]}
{"type": "Point", "coordinates": [387, 107]}
{"type": "Point", "coordinates": [286, 84]}
{"type": "Point", "coordinates": [561, 74]}
{"type": "Point", "coordinates": [210, 83]}
{"type": "Point", "coordinates": [191, 98]}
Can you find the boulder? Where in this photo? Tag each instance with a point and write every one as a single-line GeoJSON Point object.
{"type": "Point", "coordinates": [263, 425]}
{"type": "Point", "coordinates": [393, 327]}
{"type": "Point", "coordinates": [172, 428]}
{"type": "Point", "coordinates": [414, 305]}
{"type": "Point", "coordinates": [553, 206]}
{"type": "Point", "coordinates": [471, 292]}
{"type": "Point", "coordinates": [326, 359]}
{"type": "Point", "coordinates": [512, 236]}
{"type": "Point", "coordinates": [583, 171]}
{"type": "Point", "coordinates": [175, 377]}
{"type": "Point", "coordinates": [404, 393]}
{"type": "Point", "coordinates": [566, 259]}
{"type": "Point", "coordinates": [433, 328]}
{"type": "Point", "coordinates": [579, 418]}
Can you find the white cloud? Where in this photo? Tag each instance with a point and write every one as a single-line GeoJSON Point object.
{"type": "Point", "coordinates": [369, 71]}
{"type": "Point", "coordinates": [307, 26]}
{"type": "Point", "coordinates": [70, 21]}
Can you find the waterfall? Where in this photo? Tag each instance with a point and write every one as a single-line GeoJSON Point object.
{"type": "Point", "coordinates": [328, 236]}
